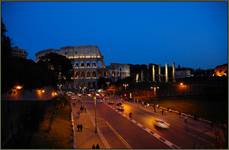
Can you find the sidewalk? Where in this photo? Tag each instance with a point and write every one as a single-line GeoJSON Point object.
{"type": "Point", "coordinates": [106, 137]}
{"type": "Point", "coordinates": [87, 137]}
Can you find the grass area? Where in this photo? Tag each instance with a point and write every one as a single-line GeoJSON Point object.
{"type": "Point", "coordinates": [216, 110]}
{"type": "Point", "coordinates": [55, 130]}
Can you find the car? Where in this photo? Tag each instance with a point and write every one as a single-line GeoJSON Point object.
{"type": "Point", "coordinates": [110, 103]}
{"type": "Point", "coordinates": [161, 123]}
{"type": "Point", "coordinates": [119, 104]}
{"type": "Point", "coordinates": [119, 107]}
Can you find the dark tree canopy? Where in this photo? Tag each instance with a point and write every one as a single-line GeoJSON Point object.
{"type": "Point", "coordinates": [57, 63]}
{"type": "Point", "coordinates": [23, 71]}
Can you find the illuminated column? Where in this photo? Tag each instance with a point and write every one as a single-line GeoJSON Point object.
{"type": "Point", "coordinates": [159, 73]}
{"type": "Point", "coordinates": [173, 72]}
{"type": "Point", "coordinates": [137, 76]}
{"type": "Point", "coordinates": [166, 73]}
{"type": "Point", "coordinates": [142, 78]}
{"type": "Point", "coordinates": [153, 73]}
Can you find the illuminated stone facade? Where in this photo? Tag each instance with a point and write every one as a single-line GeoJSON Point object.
{"type": "Point", "coordinates": [88, 65]}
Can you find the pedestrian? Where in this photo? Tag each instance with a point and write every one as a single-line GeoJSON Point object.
{"type": "Point", "coordinates": [93, 146]}
{"type": "Point", "coordinates": [130, 115]}
{"type": "Point", "coordinates": [78, 127]}
{"type": "Point", "coordinates": [97, 146]}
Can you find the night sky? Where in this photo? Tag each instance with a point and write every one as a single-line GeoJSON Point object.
{"type": "Point", "coordinates": [192, 34]}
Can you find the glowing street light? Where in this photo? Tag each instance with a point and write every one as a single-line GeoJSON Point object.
{"type": "Point", "coordinates": [125, 85]}
{"type": "Point", "coordinates": [18, 87]}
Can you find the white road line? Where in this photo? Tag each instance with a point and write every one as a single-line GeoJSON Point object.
{"type": "Point", "coordinates": [168, 143]}
{"type": "Point", "coordinates": [147, 129]}
{"type": "Point", "coordinates": [101, 136]}
{"type": "Point", "coordinates": [140, 125]}
{"type": "Point", "coordinates": [133, 121]}
{"type": "Point", "coordinates": [119, 136]}
{"type": "Point", "coordinates": [156, 135]}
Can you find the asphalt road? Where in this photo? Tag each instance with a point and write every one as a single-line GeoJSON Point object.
{"type": "Point", "coordinates": [184, 135]}
{"type": "Point", "coordinates": [135, 136]}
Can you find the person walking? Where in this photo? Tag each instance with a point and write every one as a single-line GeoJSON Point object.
{"type": "Point", "coordinates": [78, 127]}
{"type": "Point", "coordinates": [97, 146]}
{"type": "Point", "coordinates": [93, 146]}
{"type": "Point", "coordinates": [85, 110]}
{"type": "Point", "coordinates": [130, 115]}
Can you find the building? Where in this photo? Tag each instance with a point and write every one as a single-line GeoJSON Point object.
{"type": "Point", "coordinates": [183, 73]}
{"type": "Point", "coordinates": [153, 73]}
{"type": "Point", "coordinates": [221, 70]}
{"type": "Point", "coordinates": [17, 52]}
{"type": "Point", "coordinates": [88, 65]}
{"type": "Point", "coordinates": [118, 71]}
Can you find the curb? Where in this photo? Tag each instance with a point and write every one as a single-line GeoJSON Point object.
{"type": "Point", "coordinates": [73, 129]}
{"type": "Point", "coordinates": [101, 136]}
{"type": "Point", "coordinates": [182, 114]}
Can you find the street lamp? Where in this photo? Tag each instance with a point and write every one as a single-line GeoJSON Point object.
{"type": "Point", "coordinates": [18, 87]}
{"type": "Point", "coordinates": [108, 83]}
{"type": "Point", "coordinates": [125, 85]}
{"type": "Point", "coordinates": [95, 115]}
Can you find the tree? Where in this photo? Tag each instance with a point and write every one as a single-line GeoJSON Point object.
{"type": "Point", "coordinates": [21, 71]}
{"type": "Point", "coordinates": [58, 64]}
{"type": "Point", "coordinates": [6, 55]}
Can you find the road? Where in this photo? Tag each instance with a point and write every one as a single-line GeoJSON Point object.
{"type": "Point", "coordinates": [185, 135]}
{"type": "Point", "coordinates": [135, 136]}
{"type": "Point", "coordinates": [137, 133]}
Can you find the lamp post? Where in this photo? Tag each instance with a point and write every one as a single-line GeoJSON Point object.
{"type": "Point", "coordinates": [107, 83]}
{"type": "Point", "coordinates": [95, 115]}
{"type": "Point", "coordinates": [125, 85]}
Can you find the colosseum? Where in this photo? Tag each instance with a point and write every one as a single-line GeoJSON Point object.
{"type": "Point", "coordinates": [88, 65]}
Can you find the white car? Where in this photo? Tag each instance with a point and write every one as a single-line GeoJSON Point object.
{"type": "Point", "coordinates": [161, 124]}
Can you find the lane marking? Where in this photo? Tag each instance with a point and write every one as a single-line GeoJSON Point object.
{"type": "Point", "coordinates": [147, 129]}
{"type": "Point", "coordinates": [119, 136]}
{"type": "Point", "coordinates": [140, 125]}
{"type": "Point", "coordinates": [133, 121]}
{"type": "Point", "coordinates": [101, 136]}
{"type": "Point", "coordinates": [157, 136]}
{"type": "Point", "coordinates": [169, 143]}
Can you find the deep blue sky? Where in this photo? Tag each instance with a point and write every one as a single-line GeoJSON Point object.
{"type": "Point", "coordinates": [192, 34]}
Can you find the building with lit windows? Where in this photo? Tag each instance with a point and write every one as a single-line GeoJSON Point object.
{"type": "Point", "coordinates": [88, 65]}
